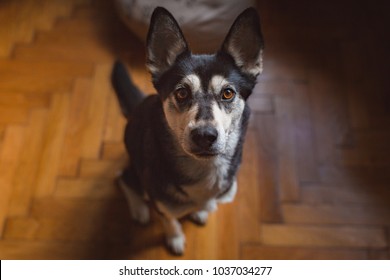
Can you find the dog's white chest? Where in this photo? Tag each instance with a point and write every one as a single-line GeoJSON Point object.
{"type": "Point", "coordinates": [206, 190]}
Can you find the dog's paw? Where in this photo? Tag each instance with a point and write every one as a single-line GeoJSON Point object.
{"type": "Point", "coordinates": [176, 244]}
{"type": "Point", "coordinates": [199, 218]}
{"type": "Point", "coordinates": [140, 213]}
{"type": "Point", "coordinates": [210, 206]}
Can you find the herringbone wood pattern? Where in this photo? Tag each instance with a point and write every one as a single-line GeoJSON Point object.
{"type": "Point", "coordinates": [314, 183]}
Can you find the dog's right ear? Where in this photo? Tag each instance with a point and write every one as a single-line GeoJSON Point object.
{"type": "Point", "coordinates": [245, 43]}
{"type": "Point", "coordinates": [165, 42]}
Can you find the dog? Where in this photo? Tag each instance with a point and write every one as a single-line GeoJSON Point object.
{"type": "Point", "coordinates": [185, 142]}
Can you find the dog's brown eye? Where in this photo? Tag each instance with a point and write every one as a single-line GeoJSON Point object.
{"type": "Point", "coordinates": [182, 94]}
{"type": "Point", "coordinates": [228, 94]}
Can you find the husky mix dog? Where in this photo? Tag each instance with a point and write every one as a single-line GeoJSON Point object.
{"type": "Point", "coordinates": [185, 143]}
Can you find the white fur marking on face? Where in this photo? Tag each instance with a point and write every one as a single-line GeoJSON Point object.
{"type": "Point", "coordinates": [221, 123]}
{"type": "Point", "coordinates": [217, 83]}
{"type": "Point", "coordinates": [228, 125]}
{"type": "Point", "coordinates": [193, 81]}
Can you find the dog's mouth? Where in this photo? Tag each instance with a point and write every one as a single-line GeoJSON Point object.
{"type": "Point", "coordinates": [205, 155]}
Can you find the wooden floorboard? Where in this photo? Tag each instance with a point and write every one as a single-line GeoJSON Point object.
{"type": "Point", "coordinates": [316, 165]}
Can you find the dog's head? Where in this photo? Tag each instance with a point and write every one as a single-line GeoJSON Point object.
{"type": "Point", "coordinates": [204, 96]}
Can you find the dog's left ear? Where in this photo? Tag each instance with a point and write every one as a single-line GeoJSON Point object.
{"type": "Point", "coordinates": [244, 42]}
{"type": "Point", "coordinates": [165, 42]}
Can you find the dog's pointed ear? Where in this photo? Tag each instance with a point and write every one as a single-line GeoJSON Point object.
{"type": "Point", "coordinates": [244, 42]}
{"type": "Point", "coordinates": [165, 42]}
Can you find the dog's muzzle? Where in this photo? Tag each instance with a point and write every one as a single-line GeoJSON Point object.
{"type": "Point", "coordinates": [203, 139]}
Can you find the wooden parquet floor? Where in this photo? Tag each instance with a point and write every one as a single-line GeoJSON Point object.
{"type": "Point", "coordinates": [314, 183]}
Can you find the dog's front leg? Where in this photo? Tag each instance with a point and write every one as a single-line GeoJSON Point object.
{"type": "Point", "coordinates": [139, 210]}
{"type": "Point", "coordinates": [169, 213]}
{"type": "Point", "coordinates": [174, 235]}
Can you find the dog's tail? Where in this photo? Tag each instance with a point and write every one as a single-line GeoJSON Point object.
{"type": "Point", "coordinates": [128, 94]}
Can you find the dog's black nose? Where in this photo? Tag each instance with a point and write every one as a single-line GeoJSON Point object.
{"type": "Point", "coordinates": [204, 136]}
